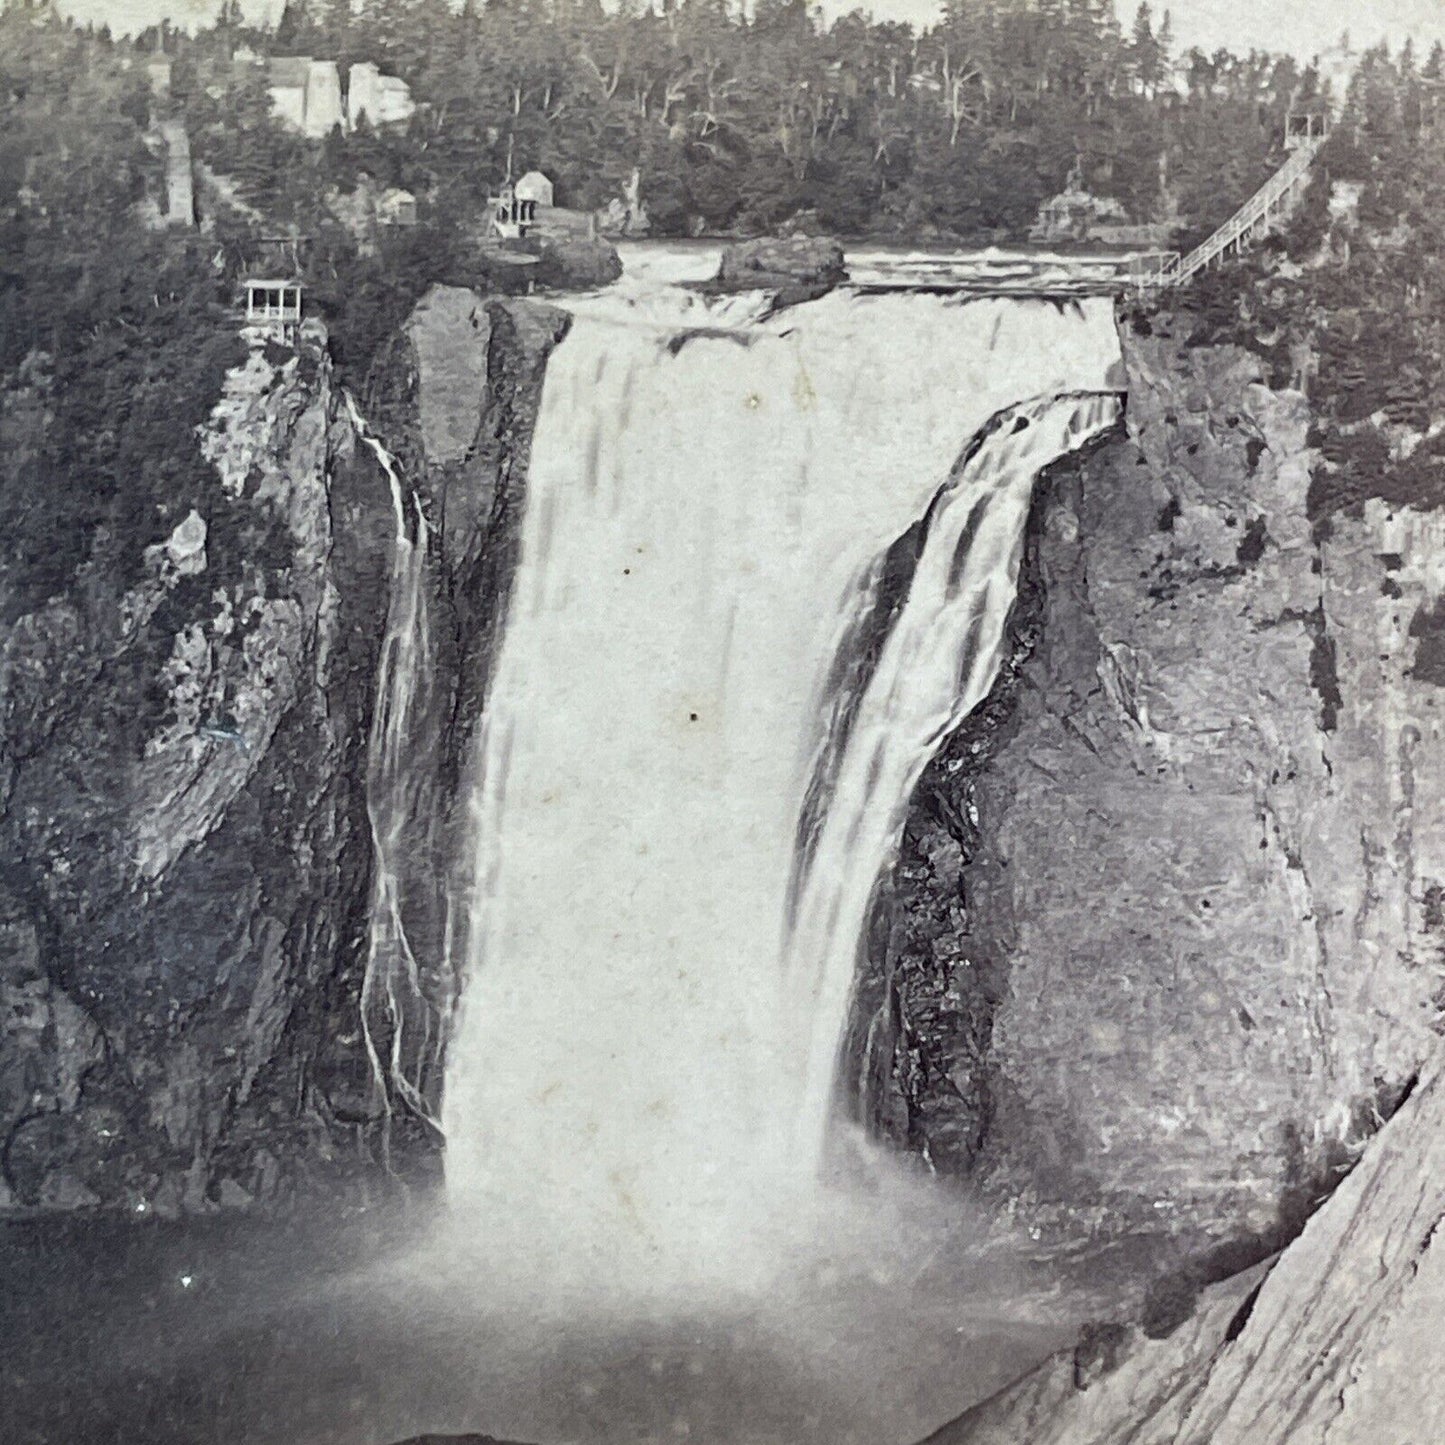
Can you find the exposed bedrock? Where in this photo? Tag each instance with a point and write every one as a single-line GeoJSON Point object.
{"type": "Point", "coordinates": [187, 853]}
{"type": "Point", "coordinates": [455, 396]}
{"type": "Point", "coordinates": [183, 840]}
{"type": "Point", "coordinates": [1164, 942]}
{"type": "Point", "coordinates": [798, 268]}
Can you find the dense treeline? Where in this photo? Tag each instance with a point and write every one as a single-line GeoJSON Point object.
{"type": "Point", "coordinates": [119, 330]}
{"type": "Point", "coordinates": [113, 340]}
{"type": "Point", "coordinates": [742, 122]}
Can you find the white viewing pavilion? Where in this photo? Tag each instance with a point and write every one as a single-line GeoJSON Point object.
{"type": "Point", "coordinates": [273, 303]}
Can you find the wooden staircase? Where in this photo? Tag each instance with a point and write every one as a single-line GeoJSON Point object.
{"type": "Point", "coordinates": [1267, 207]}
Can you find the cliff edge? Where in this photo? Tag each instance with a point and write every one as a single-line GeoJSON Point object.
{"type": "Point", "coordinates": [183, 831]}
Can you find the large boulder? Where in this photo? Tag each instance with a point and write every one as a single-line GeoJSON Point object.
{"type": "Point", "coordinates": [799, 268]}
{"type": "Point", "coordinates": [576, 263]}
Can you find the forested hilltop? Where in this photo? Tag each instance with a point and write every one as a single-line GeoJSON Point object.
{"type": "Point", "coordinates": [115, 329]}
{"type": "Point", "coordinates": [1345, 305]}
{"type": "Point", "coordinates": [743, 123]}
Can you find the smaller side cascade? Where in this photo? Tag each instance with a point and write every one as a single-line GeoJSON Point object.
{"type": "Point", "coordinates": [401, 1025]}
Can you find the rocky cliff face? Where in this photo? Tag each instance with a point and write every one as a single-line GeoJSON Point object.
{"type": "Point", "coordinates": [184, 844]}
{"type": "Point", "coordinates": [1163, 947]}
{"type": "Point", "coordinates": [455, 395]}
{"type": "Point", "coordinates": [185, 966]}
{"type": "Point", "coordinates": [1164, 943]}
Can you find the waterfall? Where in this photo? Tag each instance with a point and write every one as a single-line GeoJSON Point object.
{"type": "Point", "coordinates": [655, 982]}
{"type": "Point", "coordinates": [938, 662]}
{"type": "Point", "coordinates": [399, 1024]}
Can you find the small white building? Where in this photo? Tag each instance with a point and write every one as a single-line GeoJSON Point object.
{"type": "Point", "coordinates": [535, 188]}
{"type": "Point", "coordinates": [273, 305]}
{"type": "Point", "coordinates": [305, 94]}
{"type": "Point", "coordinates": [396, 208]}
{"type": "Point", "coordinates": [382, 99]}
{"type": "Point", "coordinates": [180, 184]}
{"type": "Point", "coordinates": [158, 75]}
{"type": "Point", "coordinates": [511, 217]}
{"type": "Point", "coordinates": [1336, 66]}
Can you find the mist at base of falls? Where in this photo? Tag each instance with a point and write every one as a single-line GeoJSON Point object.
{"type": "Point", "coordinates": [656, 983]}
{"type": "Point", "coordinates": [345, 1331]}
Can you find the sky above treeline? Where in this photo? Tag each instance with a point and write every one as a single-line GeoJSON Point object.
{"type": "Point", "coordinates": [1303, 27]}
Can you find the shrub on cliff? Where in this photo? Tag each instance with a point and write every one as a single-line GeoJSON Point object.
{"type": "Point", "coordinates": [1354, 315]}
{"type": "Point", "coordinates": [137, 345]}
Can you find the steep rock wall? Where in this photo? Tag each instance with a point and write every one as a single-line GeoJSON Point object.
{"type": "Point", "coordinates": [187, 853]}
{"type": "Point", "coordinates": [455, 395]}
{"type": "Point", "coordinates": [183, 839]}
{"type": "Point", "coordinates": [1164, 941]}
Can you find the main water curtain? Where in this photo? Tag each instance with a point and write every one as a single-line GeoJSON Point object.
{"type": "Point", "coordinates": [706, 499]}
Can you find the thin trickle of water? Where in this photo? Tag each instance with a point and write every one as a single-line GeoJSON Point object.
{"type": "Point", "coordinates": [399, 1024]}
{"type": "Point", "coordinates": [637, 1083]}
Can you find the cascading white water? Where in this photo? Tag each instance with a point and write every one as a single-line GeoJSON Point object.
{"type": "Point", "coordinates": [398, 1022]}
{"type": "Point", "coordinates": [637, 1081]}
{"type": "Point", "coordinates": [938, 663]}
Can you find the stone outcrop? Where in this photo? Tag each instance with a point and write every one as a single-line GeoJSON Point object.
{"type": "Point", "coordinates": [798, 268]}
{"type": "Point", "coordinates": [456, 398]}
{"type": "Point", "coordinates": [181, 825]}
{"type": "Point", "coordinates": [1163, 945]}
{"type": "Point", "coordinates": [1331, 1343]}
{"type": "Point", "coordinates": [576, 263]}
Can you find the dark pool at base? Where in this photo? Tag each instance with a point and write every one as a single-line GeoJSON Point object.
{"type": "Point", "coordinates": [245, 1331]}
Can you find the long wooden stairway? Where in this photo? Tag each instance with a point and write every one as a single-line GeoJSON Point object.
{"type": "Point", "coordinates": [1267, 207]}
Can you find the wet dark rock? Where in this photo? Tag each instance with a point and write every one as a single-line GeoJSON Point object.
{"type": "Point", "coordinates": [1325, 1343]}
{"type": "Point", "coordinates": [456, 397]}
{"type": "Point", "coordinates": [798, 268]}
{"type": "Point", "coordinates": [183, 871]}
{"type": "Point", "coordinates": [575, 263]}
{"type": "Point", "coordinates": [1151, 964]}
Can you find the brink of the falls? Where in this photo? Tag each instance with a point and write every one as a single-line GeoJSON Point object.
{"type": "Point", "coordinates": [661, 955]}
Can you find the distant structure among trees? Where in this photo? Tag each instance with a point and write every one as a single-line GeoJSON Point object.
{"type": "Point", "coordinates": [510, 217]}
{"type": "Point", "coordinates": [690, 118]}
{"type": "Point", "coordinates": [396, 208]}
{"type": "Point", "coordinates": [382, 99]}
{"type": "Point", "coordinates": [273, 305]}
{"type": "Point", "coordinates": [306, 94]}
{"type": "Point", "coordinates": [180, 184]}
{"type": "Point", "coordinates": [158, 74]}
{"type": "Point", "coordinates": [536, 190]}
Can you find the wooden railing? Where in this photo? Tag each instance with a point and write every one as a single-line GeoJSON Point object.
{"type": "Point", "coordinates": [1271, 203]}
